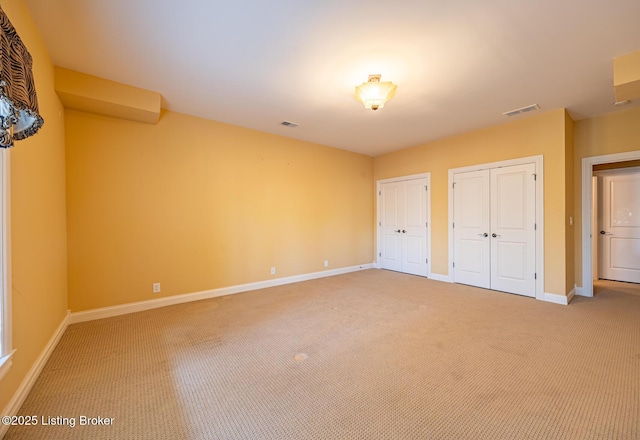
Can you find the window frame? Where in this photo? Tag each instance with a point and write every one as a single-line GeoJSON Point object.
{"type": "Point", "coordinates": [6, 347]}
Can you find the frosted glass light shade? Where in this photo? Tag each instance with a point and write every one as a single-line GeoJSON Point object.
{"type": "Point", "coordinates": [375, 94]}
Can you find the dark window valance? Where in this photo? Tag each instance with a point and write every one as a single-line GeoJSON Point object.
{"type": "Point", "coordinates": [19, 115]}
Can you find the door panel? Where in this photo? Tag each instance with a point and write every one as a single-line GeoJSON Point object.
{"type": "Point", "coordinates": [390, 242]}
{"type": "Point", "coordinates": [471, 260]}
{"type": "Point", "coordinates": [415, 203]}
{"type": "Point", "coordinates": [471, 223]}
{"type": "Point", "coordinates": [513, 229]}
{"type": "Point", "coordinates": [511, 186]}
{"type": "Point", "coordinates": [620, 242]}
{"type": "Point", "coordinates": [511, 261]}
{"type": "Point", "coordinates": [624, 253]}
{"type": "Point", "coordinates": [414, 259]}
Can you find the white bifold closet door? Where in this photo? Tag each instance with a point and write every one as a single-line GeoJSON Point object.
{"type": "Point", "coordinates": [403, 226]}
{"type": "Point", "coordinates": [620, 227]}
{"type": "Point", "coordinates": [494, 229]}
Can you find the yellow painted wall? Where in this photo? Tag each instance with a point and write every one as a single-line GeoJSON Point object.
{"type": "Point", "coordinates": [569, 212]}
{"type": "Point", "coordinates": [541, 134]}
{"type": "Point", "coordinates": [197, 205]}
{"type": "Point", "coordinates": [38, 219]}
{"type": "Point", "coordinates": [617, 132]}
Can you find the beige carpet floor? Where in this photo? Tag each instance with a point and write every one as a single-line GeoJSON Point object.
{"type": "Point", "coordinates": [366, 355]}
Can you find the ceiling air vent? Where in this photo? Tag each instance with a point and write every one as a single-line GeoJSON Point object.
{"type": "Point", "coordinates": [289, 124]}
{"type": "Point", "coordinates": [526, 109]}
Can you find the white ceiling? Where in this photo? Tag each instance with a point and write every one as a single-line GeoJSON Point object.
{"type": "Point", "coordinates": [459, 64]}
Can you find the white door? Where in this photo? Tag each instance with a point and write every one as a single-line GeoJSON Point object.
{"type": "Point", "coordinates": [471, 228]}
{"type": "Point", "coordinates": [494, 229]}
{"type": "Point", "coordinates": [390, 228]}
{"type": "Point", "coordinates": [414, 230]}
{"type": "Point", "coordinates": [403, 226]}
{"type": "Point", "coordinates": [513, 229]}
{"type": "Point", "coordinates": [620, 233]}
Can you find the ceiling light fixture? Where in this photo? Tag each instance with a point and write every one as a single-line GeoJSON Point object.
{"type": "Point", "coordinates": [374, 94]}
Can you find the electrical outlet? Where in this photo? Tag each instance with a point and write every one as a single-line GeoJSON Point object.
{"type": "Point", "coordinates": [156, 287]}
{"type": "Point", "coordinates": [326, 263]}
{"type": "Point", "coordinates": [273, 271]}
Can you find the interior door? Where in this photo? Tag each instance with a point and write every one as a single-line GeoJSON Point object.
{"type": "Point", "coordinates": [390, 226]}
{"type": "Point", "coordinates": [471, 228]}
{"type": "Point", "coordinates": [414, 228]}
{"type": "Point", "coordinates": [620, 233]}
{"type": "Point", "coordinates": [403, 226]}
{"type": "Point", "coordinates": [513, 229]}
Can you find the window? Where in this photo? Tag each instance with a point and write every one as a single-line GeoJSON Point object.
{"type": "Point", "coordinates": [6, 349]}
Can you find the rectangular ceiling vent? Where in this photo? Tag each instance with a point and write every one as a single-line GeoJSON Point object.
{"type": "Point", "coordinates": [518, 111]}
{"type": "Point", "coordinates": [289, 124]}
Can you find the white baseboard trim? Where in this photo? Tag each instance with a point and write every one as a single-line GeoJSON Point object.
{"type": "Point", "coordinates": [556, 299]}
{"type": "Point", "coordinates": [579, 291]}
{"type": "Point", "coordinates": [571, 295]}
{"type": "Point", "coordinates": [139, 306]}
{"type": "Point", "coordinates": [438, 277]}
{"type": "Point", "coordinates": [22, 392]}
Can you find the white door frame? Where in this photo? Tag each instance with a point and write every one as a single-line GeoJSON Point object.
{"type": "Point", "coordinates": [537, 160]}
{"type": "Point", "coordinates": [587, 195]}
{"type": "Point", "coordinates": [379, 213]}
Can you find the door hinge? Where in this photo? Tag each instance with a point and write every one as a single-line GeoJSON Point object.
{"type": "Point", "coordinates": [426, 188]}
{"type": "Point", "coordinates": [379, 193]}
{"type": "Point", "coordinates": [427, 261]}
{"type": "Point", "coordinates": [426, 224]}
{"type": "Point", "coordinates": [535, 226]}
{"type": "Point", "coordinates": [535, 176]}
{"type": "Point", "coordinates": [535, 276]}
{"type": "Point", "coordinates": [454, 264]}
{"type": "Point", "coordinates": [454, 185]}
{"type": "Point", "coordinates": [454, 225]}
{"type": "Point", "coordinates": [380, 254]}
{"type": "Point", "coordinates": [379, 223]}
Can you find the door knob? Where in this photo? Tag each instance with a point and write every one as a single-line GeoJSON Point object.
{"type": "Point", "coordinates": [605, 233]}
{"type": "Point", "coordinates": [484, 235]}
{"type": "Point", "coordinates": [494, 235]}
{"type": "Point", "coordinates": [398, 231]}
{"type": "Point", "coordinates": [403, 231]}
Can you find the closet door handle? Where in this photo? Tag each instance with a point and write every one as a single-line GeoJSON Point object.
{"type": "Point", "coordinates": [494, 235]}
{"type": "Point", "coordinates": [484, 235]}
{"type": "Point", "coordinates": [404, 232]}
{"type": "Point", "coordinates": [605, 233]}
{"type": "Point", "coordinates": [398, 231]}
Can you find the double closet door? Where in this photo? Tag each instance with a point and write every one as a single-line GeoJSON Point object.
{"type": "Point", "coordinates": [494, 229]}
{"type": "Point", "coordinates": [403, 226]}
